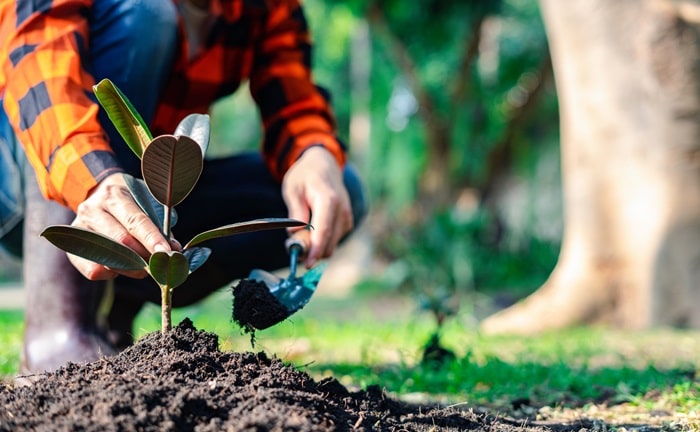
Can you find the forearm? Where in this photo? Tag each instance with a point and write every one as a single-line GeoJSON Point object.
{"type": "Point", "coordinates": [46, 98]}
{"type": "Point", "coordinates": [295, 114]}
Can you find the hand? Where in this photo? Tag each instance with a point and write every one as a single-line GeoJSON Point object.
{"type": "Point", "coordinates": [110, 210]}
{"type": "Point", "coordinates": [313, 187]}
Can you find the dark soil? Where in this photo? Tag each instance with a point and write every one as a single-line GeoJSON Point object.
{"type": "Point", "coordinates": [182, 381]}
{"type": "Point", "coordinates": [254, 307]}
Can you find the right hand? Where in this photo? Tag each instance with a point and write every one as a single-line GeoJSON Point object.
{"type": "Point", "coordinates": [313, 187]}
{"type": "Point", "coordinates": [110, 210]}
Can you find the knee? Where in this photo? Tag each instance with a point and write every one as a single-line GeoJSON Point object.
{"type": "Point", "coordinates": [151, 24]}
{"type": "Point", "coordinates": [133, 43]}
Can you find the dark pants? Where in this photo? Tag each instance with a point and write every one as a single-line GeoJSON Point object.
{"type": "Point", "coordinates": [232, 190]}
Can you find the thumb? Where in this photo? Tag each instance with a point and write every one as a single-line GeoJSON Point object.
{"type": "Point", "coordinates": [298, 210]}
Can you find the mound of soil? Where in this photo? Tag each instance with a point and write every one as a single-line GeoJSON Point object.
{"type": "Point", "coordinates": [182, 381]}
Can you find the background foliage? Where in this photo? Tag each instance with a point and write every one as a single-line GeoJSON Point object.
{"type": "Point", "coordinates": [458, 90]}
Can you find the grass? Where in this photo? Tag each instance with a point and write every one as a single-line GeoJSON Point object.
{"type": "Point", "coordinates": [11, 325]}
{"type": "Point", "coordinates": [363, 341]}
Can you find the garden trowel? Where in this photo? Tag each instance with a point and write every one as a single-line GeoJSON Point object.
{"type": "Point", "coordinates": [293, 292]}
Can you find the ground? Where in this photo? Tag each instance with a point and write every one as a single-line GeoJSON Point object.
{"type": "Point", "coordinates": [183, 381]}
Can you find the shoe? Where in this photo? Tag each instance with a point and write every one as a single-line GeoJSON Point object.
{"type": "Point", "coordinates": [61, 306]}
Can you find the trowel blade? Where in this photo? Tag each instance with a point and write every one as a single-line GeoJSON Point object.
{"type": "Point", "coordinates": [273, 282]}
{"type": "Point", "coordinates": [297, 292]}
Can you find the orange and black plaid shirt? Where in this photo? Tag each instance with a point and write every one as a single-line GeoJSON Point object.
{"type": "Point", "coordinates": [46, 90]}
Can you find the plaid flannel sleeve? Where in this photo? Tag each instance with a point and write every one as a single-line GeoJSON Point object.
{"type": "Point", "coordinates": [47, 95]}
{"type": "Point", "coordinates": [295, 113]}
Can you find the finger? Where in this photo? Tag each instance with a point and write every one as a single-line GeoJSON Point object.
{"type": "Point", "coordinates": [107, 225]}
{"type": "Point", "coordinates": [300, 238]}
{"type": "Point", "coordinates": [139, 232]}
{"type": "Point", "coordinates": [90, 269]}
{"type": "Point", "coordinates": [102, 213]}
{"type": "Point", "coordinates": [344, 220]}
{"type": "Point", "coordinates": [340, 220]}
{"type": "Point", "coordinates": [297, 209]}
{"type": "Point", "coordinates": [175, 245]}
{"type": "Point", "coordinates": [322, 217]}
{"type": "Point", "coordinates": [343, 225]}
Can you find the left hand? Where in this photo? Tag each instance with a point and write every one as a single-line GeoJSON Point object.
{"type": "Point", "coordinates": [313, 187]}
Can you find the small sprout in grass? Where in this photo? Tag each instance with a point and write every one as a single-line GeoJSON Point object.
{"type": "Point", "coordinates": [442, 304]}
{"type": "Point", "coordinates": [171, 166]}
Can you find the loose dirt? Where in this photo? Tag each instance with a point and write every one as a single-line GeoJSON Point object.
{"type": "Point", "coordinates": [183, 381]}
{"type": "Point", "coordinates": [255, 308]}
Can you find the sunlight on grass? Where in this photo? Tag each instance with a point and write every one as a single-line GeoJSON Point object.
{"type": "Point", "coordinates": [348, 340]}
{"type": "Point", "coordinates": [11, 327]}
{"type": "Point", "coordinates": [325, 328]}
{"type": "Point", "coordinates": [338, 338]}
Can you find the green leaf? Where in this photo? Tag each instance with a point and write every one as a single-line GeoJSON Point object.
{"type": "Point", "coordinates": [196, 257]}
{"type": "Point", "coordinates": [93, 246]}
{"type": "Point", "coordinates": [169, 269]}
{"type": "Point", "coordinates": [124, 116]}
{"type": "Point", "coordinates": [244, 227]}
{"type": "Point", "coordinates": [171, 167]}
{"type": "Point", "coordinates": [197, 127]}
{"type": "Point", "coordinates": [149, 205]}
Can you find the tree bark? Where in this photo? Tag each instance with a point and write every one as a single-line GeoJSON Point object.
{"type": "Point", "coordinates": [627, 74]}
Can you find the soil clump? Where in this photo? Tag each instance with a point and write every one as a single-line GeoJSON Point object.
{"type": "Point", "coordinates": [255, 307]}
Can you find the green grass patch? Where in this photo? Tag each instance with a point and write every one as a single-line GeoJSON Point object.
{"type": "Point", "coordinates": [377, 341]}
{"type": "Point", "coordinates": [11, 326]}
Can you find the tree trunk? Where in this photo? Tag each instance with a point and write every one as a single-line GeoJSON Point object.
{"type": "Point", "coordinates": [628, 78]}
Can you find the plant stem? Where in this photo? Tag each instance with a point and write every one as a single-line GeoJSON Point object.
{"type": "Point", "coordinates": [166, 307]}
{"type": "Point", "coordinates": [166, 293]}
{"type": "Point", "coordinates": [166, 221]}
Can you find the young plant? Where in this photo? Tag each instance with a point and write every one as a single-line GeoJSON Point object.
{"type": "Point", "coordinates": [171, 166]}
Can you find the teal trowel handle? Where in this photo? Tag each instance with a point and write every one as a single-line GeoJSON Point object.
{"type": "Point", "coordinates": [297, 245]}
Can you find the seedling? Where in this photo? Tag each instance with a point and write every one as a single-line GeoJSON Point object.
{"type": "Point", "coordinates": [171, 166]}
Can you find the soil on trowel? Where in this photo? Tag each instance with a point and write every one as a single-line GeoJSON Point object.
{"type": "Point", "coordinates": [255, 307]}
{"type": "Point", "coordinates": [182, 381]}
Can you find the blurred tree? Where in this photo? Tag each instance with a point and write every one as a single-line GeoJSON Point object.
{"type": "Point", "coordinates": [469, 80]}
{"type": "Point", "coordinates": [458, 98]}
{"type": "Point", "coordinates": [628, 78]}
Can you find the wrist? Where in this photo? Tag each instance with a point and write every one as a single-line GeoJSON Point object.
{"type": "Point", "coordinates": [322, 150]}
